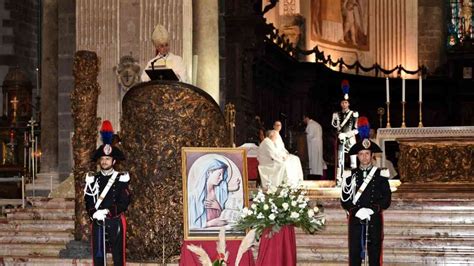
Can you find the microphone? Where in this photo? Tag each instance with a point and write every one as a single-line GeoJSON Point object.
{"type": "Point", "coordinates": [284, 115]}
{"type": "Point", "coordinates": [154, 61]}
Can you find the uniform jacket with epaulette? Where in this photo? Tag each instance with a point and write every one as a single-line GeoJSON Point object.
{"type": "Point", "coordinates": [376, 196]}
{"type": "Point", "coordinates": [116, 200]}
{"type": "Point", "coordinates": [351, 124]}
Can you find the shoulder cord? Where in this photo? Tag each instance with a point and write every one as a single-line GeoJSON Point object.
{"type": "Point", "coordinates": [94, 190]}
{"type": "Point", "coordinates": [348, 189]}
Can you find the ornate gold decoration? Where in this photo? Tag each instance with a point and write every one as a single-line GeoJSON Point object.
{"type": "Point", "coordinates": [159, 119]}
{"type": "Point", "coordinates": [366, 143]}
{"type": "Point", "coordinates": [230, 122]}
{"type": "Point", "coordinates": [436, 160]}
{"type": "Point", "coordinates": [84, 99]}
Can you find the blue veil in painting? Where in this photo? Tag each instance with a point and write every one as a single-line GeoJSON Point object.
{"type": "Point", "coordinates": [197, 194]}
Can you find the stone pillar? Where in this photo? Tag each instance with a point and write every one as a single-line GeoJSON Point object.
{"type": "Point", "coordinates": [66, 50]}
{"type": "Point", "coordinates": [49, 87]}
{"type": "Point", "coordinates": [206, 45]}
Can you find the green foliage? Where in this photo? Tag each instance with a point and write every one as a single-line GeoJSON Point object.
{"type": "Point", "coordinates": [279, 206]}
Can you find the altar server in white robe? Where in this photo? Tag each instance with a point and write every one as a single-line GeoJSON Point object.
{"type": "Point", "coordinates": [164, 58]}
{"type": "Point", "coordinates": [276, 167]}
{"type": "Point", "coordinates": [314, 139]}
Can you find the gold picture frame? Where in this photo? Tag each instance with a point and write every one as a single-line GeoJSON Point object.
{"type": "Point", "coordinates": [214, 185]}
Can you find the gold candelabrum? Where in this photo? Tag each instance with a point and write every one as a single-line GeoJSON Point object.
{"type": "Point", "coordinates": [230, 121]}
{"type": "Point", "coordinates": [403, 115]}
{"type": "Point", "coordinates": [420, 123]}
{"type": "Point", "coordinates": [388, 115]}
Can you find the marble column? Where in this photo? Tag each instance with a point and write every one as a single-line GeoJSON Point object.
{"type": "Point", "coordinates": [206, 46]}
{"type": "Point", "coordinates": [49, 87]}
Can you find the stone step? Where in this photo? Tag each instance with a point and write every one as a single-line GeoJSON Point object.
{"type": "Point", "coordinates": [52, 261]}
{"type": "Point", "coordinates": [413, 216]}
{"type": "Point", "coordinates": [40, 210]}
{"type": "Point", "coordinates": [393, 242]}
{"type": "Point", "coordinates": [54, 203]}
{"type": "Point", "coordinates": [390, 256]}
{"type": "Point", "coordinates": [37, 225]}
{"type": "Point", "coordinates": [414, 204]}
{"type": "Point", "coordinates": [40, 214]}
{"type": "Point", "coordinates": [456, 230]}
{"type": "Point", "coordinates": [38, 192]}
{"type": "Point", "coordinates": [36, 237]}
{"type": "Point", "coordinates": [35, 250]}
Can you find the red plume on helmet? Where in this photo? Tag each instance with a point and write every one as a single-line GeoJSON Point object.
{"type": "Point", "coordinates": [106, 149]}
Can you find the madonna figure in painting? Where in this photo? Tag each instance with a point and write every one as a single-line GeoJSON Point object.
{"type": "Point", "coordinates": [208, 199]}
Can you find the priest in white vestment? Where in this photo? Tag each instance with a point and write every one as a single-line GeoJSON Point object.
{"type": "Point", "coordinates": [314, 140]}
{"type": "Point", "coordinates": [164, 58]}
{"type": "Point", "coordinates": [276, 167]}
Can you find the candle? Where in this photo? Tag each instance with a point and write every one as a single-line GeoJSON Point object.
{"type": "Point", "coordinates": [387, 90]}
{"type": "Point", "coordinates": [403, 90]}
{"type": "Point", "coordinates": [421, 89]}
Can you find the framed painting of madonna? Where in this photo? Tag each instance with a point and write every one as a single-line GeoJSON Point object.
{"type": "Point", "coordinates": [214, 191]}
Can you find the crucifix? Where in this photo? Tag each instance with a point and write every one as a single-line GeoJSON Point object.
{"type": "Point", "coordinates": [14, 103]}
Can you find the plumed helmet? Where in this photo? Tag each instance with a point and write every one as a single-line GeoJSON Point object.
{"type": "Point", "coordinates": [107, 149]}
{"type": "Point", "coordinates": [160, 35]}
{"type": "Point", "coordinates": [345, 90]}
{"type": "Point", "coordinates": [364, 142]}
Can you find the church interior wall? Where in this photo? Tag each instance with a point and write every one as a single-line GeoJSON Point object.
{"type": "Point", "coordinates": [116, 28]}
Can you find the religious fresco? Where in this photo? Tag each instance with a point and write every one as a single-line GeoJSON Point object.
{"type": "Point", "coordinates": [340, 22]}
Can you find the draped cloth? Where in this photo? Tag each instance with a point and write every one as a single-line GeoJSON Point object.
{"type": "Point", "coordinates": [279, 249]}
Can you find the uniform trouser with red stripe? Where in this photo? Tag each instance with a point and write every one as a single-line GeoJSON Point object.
{"type": "Point", "coordinates": [115, 230]}
{"type": "Point", "coordinates": [356, 230]}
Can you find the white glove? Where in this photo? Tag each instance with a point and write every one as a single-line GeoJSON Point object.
{"type": "Point", "coordinates": [100, 214]}
{"type": "Point", "coordinates": [364, 213]}
{"type": "Point", "coordinates": [342, 136]}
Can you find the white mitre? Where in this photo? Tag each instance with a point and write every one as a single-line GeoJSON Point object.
{"type": "Point", "coordinates": [160, 35]}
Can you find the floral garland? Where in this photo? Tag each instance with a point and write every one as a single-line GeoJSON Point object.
{"type": "Point", "coordinates": [279, 206]}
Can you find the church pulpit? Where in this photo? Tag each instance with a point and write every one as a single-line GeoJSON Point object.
{"type": "Point", "coordinates": [159, 118]}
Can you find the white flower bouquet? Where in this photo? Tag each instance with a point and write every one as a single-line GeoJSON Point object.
{"type": "Point", "coordinates": [279, 206]}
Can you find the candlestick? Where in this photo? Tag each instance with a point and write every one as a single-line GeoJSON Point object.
{"type": "Point", "coordinates": [380, 112]}
{"type": "Point", "coordinates": [403, 114]}
{"type": "Point", "coordinates": [420, 86]}
{"type": "Point", "coordinates": [388, 115]}
{"type": "Point", "coordinates": [420, 123]}
{"type": "Point", "coordinates": [387, 88]}
{"type": "Point", "coordinates": [403, 90]}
